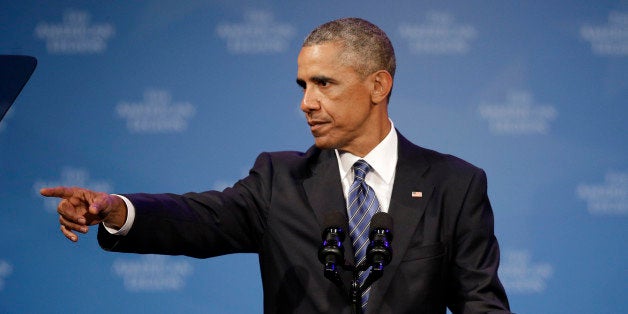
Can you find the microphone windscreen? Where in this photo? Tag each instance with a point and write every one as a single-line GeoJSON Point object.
{"type": "Point", "coordinates": [381, 220]}
{"type": "Point", "coordinates": [334, 219]}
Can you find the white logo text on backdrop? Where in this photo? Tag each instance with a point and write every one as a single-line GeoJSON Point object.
{"type": "Point", "coordinates": [610, 197]}
{"type": "Point", "coordinates": [522, 276]}
{"type": "Point", "coordinates": [610, 39]}
{"type": "Point", "coordinates": [75, 35]}
{"type": "Point", "coordinates": [518, 115]}
{"type": "Point", "coordinates": [152, 273]}
{"type": "Point", "coordinates": [439, 35]}
{"type": "Point", "coordinates": [259, 33]}
{"type": "Point", "coordinates": [156, 113]}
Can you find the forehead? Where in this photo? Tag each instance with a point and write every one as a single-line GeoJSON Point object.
{"type": "Point", "coordinates": [327, 56]}
{"type": "Point", "coordinates": [323, 53]}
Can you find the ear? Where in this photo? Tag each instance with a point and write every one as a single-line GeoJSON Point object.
{"type": "Point", "coordinates": [382, 85]}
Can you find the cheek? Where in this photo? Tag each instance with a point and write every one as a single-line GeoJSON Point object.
{"type": "Point", "coordinates": [347, 121]}
{"type": "Point", "coordinates": [347, 108]}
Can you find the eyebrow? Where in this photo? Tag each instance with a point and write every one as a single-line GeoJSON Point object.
{"type": "Point", "coordinates": [316, 79]}
{"type": "Point", "coordinates": [301, 83]}
{"type": "Point", "coordinates": [320, 79]}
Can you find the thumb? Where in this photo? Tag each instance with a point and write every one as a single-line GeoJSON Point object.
{"type": "Point", "coordinates": [100, 205]}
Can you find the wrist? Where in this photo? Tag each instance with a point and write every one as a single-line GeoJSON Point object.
{"type": "Point", "coordinates": [118, 214]}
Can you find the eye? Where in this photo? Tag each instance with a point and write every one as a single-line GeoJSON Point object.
{"type": "Point", "coordinates": [321, 81]}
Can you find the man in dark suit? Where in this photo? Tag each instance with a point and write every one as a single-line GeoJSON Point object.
{"type": "Point", "coordinates": [444, 251]}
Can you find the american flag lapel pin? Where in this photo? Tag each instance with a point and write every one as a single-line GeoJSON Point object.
{"type": "Point", "coordinates": [416, 194]}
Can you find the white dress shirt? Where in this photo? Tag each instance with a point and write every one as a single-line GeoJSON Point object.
{"type": "Point", "coordinates": [383, 162]}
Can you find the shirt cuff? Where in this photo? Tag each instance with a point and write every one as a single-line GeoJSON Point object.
{"type": "Point", "coordinates": [130, 218]}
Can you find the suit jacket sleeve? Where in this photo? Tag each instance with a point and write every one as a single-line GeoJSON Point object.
{"type": "Point", "coordinates": [199, 224]}
{"type": "Point", "coordinates": [474, 281]}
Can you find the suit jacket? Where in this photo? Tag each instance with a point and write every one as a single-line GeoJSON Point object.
{"type": "Point", "coordinates": [445, 253]}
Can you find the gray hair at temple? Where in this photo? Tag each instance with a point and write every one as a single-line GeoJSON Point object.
{"type": "Point", "coordinates": [367, 47]}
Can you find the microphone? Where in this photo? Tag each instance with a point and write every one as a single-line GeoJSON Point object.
{"type": "Point", "coordinates": [331, 253]}
{"type": "Point", "coordinates": [379, 251]}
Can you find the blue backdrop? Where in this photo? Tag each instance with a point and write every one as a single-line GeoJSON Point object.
{"type": "Point", "coordinates": [177, 96]}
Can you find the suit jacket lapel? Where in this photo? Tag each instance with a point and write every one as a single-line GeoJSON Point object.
{"type": "Point", "coordinates": [406, 210]}
{"type": "Point", "coordinates": [324, 191]}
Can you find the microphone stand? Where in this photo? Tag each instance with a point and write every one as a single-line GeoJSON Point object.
{"type": "Point", "coordinates": [331, 272]}
{"type": "Point", "coordinates": [355, 293]}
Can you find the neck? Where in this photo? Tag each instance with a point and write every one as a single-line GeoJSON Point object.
{"type": "Point", "coordinates": [367, 144]}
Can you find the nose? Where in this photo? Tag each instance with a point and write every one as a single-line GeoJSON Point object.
{"type": "Point", "coordinates": [309, 102]}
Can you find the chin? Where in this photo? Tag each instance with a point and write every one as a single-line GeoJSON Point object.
{"type": "Point", "coordinates": [323, 144]}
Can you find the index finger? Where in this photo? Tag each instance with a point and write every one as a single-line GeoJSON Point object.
{"type": "Point", "coordinates": [59, 191]}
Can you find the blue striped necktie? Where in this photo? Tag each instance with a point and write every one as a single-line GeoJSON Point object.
{"type": "Point", "coordinates": [363, 205]}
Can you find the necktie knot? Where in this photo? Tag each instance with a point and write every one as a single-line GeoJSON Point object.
{"type": "Point", "coordinates": [360, 169]}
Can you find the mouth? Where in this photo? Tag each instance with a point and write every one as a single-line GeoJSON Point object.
{"type": "Point", "coordinates": [316, 125]}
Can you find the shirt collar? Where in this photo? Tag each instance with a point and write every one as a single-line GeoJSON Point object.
{"type": "Point", "coordinates": [382, 158]}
